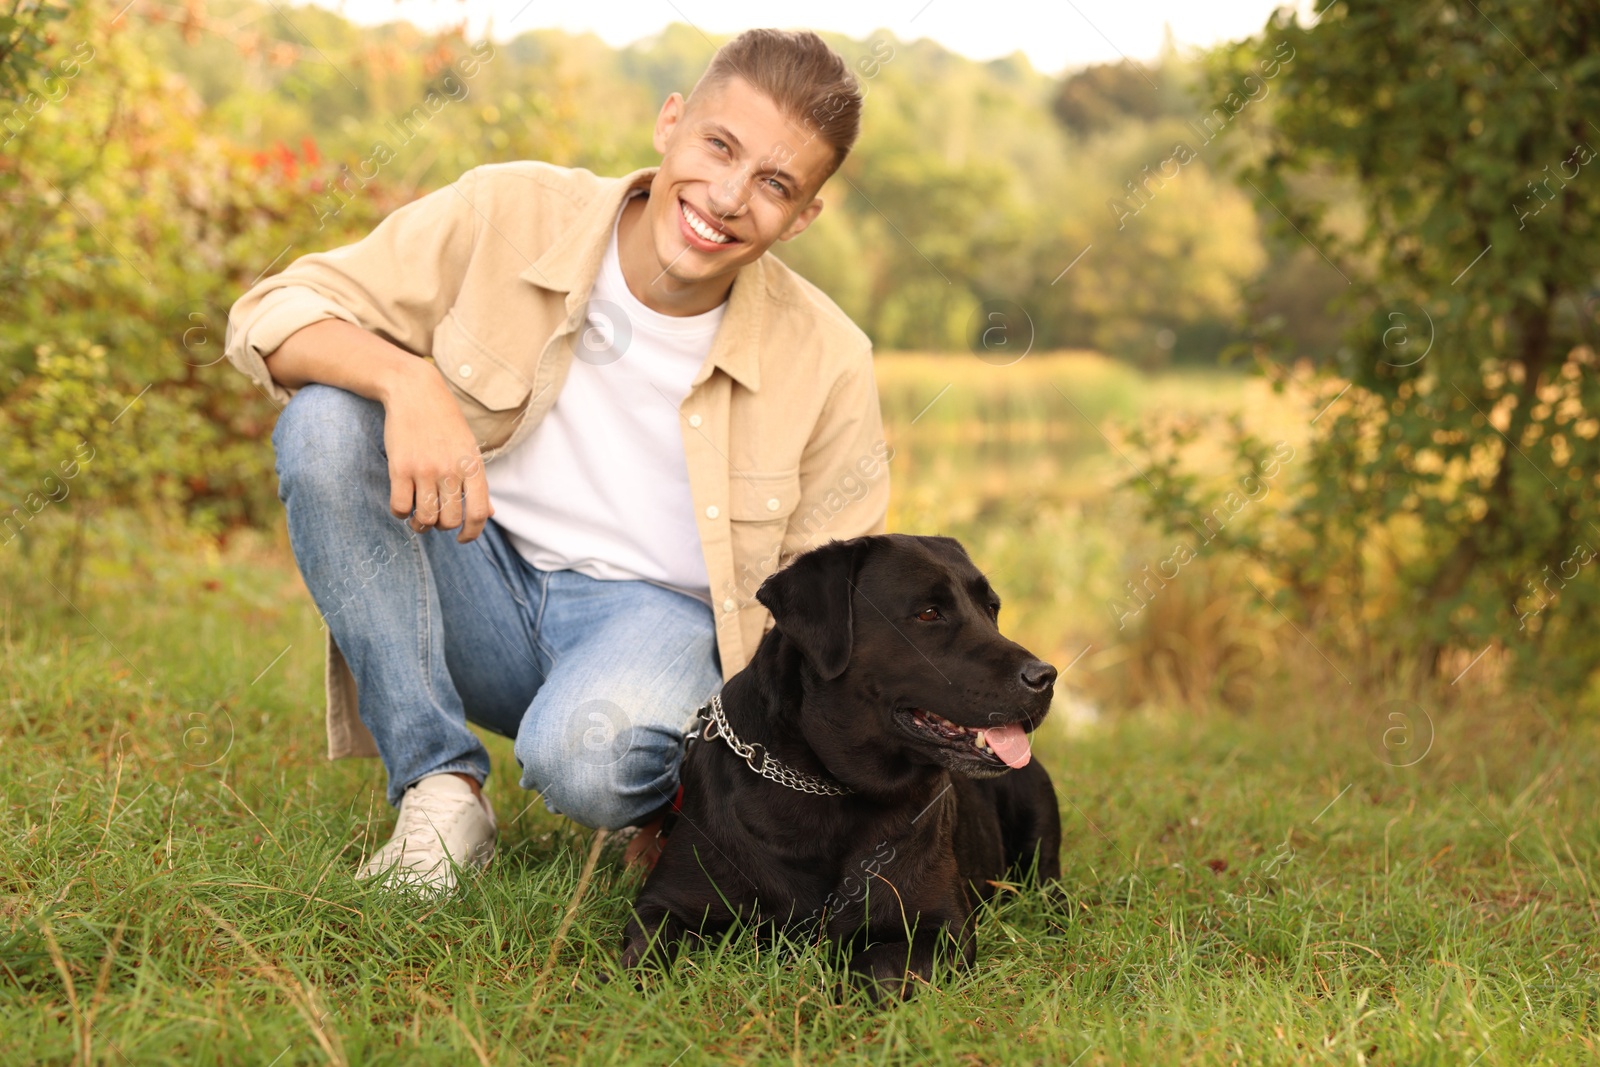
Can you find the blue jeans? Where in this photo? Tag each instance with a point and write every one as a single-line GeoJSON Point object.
{"type": "Point", "coordinates": [596, 681]}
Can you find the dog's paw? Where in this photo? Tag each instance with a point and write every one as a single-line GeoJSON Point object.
{"type": "Point", "coordinates": [651, 946]}
{"type": "Point", "coordinates": [889, 971]}
{"type": "Point", "coordinates": [637, 954]}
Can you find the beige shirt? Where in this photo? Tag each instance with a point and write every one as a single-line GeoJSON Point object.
{"type": "Point", "coordinates": [489, 277]}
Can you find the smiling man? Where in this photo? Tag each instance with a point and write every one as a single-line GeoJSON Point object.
{"type": "Point", "coordinates": [629, 412]}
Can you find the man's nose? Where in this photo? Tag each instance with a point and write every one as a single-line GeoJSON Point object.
{"type": "Point", "coordinates": [729, 198]}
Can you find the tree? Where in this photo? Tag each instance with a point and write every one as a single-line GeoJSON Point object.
{"type": "Point", "coordinates": [25, 37]}
{"type": "Point", "coordinates": [1450, 490]}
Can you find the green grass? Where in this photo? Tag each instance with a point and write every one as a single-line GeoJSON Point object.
{"type": "Point", "coordinates": [1240, 887]}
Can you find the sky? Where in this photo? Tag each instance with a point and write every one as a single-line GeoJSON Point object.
{"type": "Point", "coordinates": [1056, 35]}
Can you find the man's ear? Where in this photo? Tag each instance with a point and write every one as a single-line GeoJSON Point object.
{"type": "Point", "coordinates": [810, 602]}
{"type": "Point", "coordinates": [807, 216]}
{"type": "Point", "coordinates": [672, 111]}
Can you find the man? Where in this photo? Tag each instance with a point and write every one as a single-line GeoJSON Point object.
{"type": "Point", "coordinates": [629, 412]}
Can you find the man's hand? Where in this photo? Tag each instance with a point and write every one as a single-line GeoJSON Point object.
{"type": "Point", "coordinates": [433, 458]}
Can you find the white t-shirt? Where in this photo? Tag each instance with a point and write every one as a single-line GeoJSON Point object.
{"type": "Point", "coordinates": [601, 485]}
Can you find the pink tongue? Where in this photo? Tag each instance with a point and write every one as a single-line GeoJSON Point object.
{"type": "Point", "coordinates": [1010, 744]}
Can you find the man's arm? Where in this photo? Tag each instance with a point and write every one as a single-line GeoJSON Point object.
{"type": "Point", "coordinates": [357, 318]}
{"type": "Point", "coordinates": [433, 458]}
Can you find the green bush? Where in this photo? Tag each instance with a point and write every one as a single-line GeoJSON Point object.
{"type": "Point", "coordinates": [1447, 501]}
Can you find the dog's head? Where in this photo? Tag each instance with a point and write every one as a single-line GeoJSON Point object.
{"type": "Point", "coordinates": [901, 639]}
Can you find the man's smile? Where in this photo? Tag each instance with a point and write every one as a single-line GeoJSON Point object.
{"type": "Point", "coordinates": [700, 231]}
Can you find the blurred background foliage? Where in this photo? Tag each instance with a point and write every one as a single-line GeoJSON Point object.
{"type": "Point", "coordinates": [1448, 501]}
{"type": "Point", "coordinates": [1273, 204]}
{"type": "Point", "coordinates": [154, 165]}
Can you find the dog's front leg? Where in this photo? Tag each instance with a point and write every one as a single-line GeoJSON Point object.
{"type": "Point", "coordinates": [892, 949]}
{"type": "Point", "coordinates": [689, 894]}
{"type": "Point", "coordinates": [653, 935]}
{"type": "Point", "coordinates": [894, 967]}
{"type": "Point", "coordinates": [904, 917]}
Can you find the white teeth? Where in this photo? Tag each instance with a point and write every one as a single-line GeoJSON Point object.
{"type": "Point", "coordinates": [701, 228]}
{"type": "Point", "coordinates": [978, 736]}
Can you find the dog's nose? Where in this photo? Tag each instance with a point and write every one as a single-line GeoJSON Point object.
{"type": "Point", "coordinates": [1037, 674]}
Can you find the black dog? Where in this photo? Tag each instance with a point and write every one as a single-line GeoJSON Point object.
{"type": "Point", "coordinates": [854, 776]}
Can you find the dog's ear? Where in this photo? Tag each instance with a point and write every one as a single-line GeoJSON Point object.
{"type": "Point", "coordinates": [810, 602]}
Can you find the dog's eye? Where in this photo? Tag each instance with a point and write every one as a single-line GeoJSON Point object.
{"type": "Point", "coordinates": [929, 615]}
{"type": "Point", "coordinates": [994, 612]}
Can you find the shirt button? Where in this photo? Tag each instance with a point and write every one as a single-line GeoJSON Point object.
{"type": "Point", "coordinates": [772, 505]}
{"type": "Point", "coordinates": [694, 420]}
{"type": "Point", "coordinates": [728, 605]}
{"type": "Point", "coordinates": [465, 370]}
{"type": "Point", "coordinates": [712, 512]}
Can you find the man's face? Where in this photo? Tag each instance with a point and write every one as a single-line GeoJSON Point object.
{"type": "Point", "coordinates": [736, 175]}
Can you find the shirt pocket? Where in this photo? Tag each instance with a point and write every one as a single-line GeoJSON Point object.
{"type": "Point", "coordinates": [491, 393]}
{"type": "Point", "coordinates": [759, 506]}
{"type": "Point", "coordinates": [763, 496]}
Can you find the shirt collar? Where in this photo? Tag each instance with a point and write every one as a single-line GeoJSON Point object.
{"type": "Point", "coordinates": [573, 260]}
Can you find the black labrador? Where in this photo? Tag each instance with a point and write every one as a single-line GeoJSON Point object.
{"type": "Point", "coordinates": [867, 775]}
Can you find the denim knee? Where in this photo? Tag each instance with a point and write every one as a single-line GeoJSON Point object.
{"type": "Point", "coordinates": [324, 436]}
{"type": "Point", "coordinates": [600, 789]}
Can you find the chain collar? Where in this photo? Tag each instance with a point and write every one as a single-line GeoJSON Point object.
{"type": "Point", "coordinates": [769, 768]}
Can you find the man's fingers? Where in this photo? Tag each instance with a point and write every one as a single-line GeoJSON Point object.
{"type": "Point", "coordinates": [429, 495]}
{"type": "Point", "coordinates": [427, 511]}
{"type": "Point", "coordinates": [401, 493]}
{"type": "Point", "coordinates": [478, 506]}
{"type": "Point", "coordinates": [449, 502]}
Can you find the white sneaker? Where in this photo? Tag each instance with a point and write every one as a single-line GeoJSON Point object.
{"type": "Point", "coordinates": [441, 825]}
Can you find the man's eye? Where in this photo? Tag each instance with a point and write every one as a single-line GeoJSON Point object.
{"type": "Point", "coordinates": [929, 615]}
{"type": "Point", "coordinates": [721, 145]}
